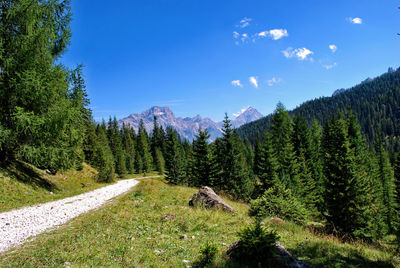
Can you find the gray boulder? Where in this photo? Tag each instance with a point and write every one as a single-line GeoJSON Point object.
{"type": "Point", "coordinates": [289, 260]}
{"type": "Point", "coordinates": [207, 198]}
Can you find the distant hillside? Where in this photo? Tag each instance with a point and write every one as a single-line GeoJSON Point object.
{"type": "Point", "coordinates": [187, 127]}
{"type": "Point", "coordinates": [376, 102]}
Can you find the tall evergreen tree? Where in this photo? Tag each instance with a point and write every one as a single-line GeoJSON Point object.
{"type": "Point", "coordinates": [174, 165]}
{"type": "Point", "coordinates": [397, 198]}
{"type": "Point", "coordinates": [202, 164]}
{"type": "Point", "coordinates": [268, 164]}
{"type": "Point", "coordinates": [397, 179]}
{"type": "Point", "coordinates": [234, 174]}
{"type": "Point", "coordinates": [42, 116]}
{"type": "Point", "coordinates": [102, 156]}
{"type": "Point", "coordinates": [316, 160]}
{"type": "Point", "coordinates": [386, 178]}
{"type": "Point", "coordinates": [90, 141]}
{"type": "Point", "coordinates": [347, 192]}
{"type": "Point", "coordinates": [159, 161]}
{"type": "Point", "coordinates": [115, 141]}
{"type": "Point", "coordinates": [301, 137]}
{"type": "Point", "coordinates": [281, 134]}
{"type": "Point", "coordinates": [143, 146]}
{"type": "Point", "coordinates": [257, 158]}
{"type": "Point", "coordinates": [128, 137]}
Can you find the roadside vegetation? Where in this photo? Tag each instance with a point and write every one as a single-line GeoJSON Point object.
{"type": "Point", "coordinates": [22, 184]}
{"type": "Point", "coordinates": [146, 228]}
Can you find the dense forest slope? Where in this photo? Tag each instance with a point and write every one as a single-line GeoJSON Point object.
{"type": "Point", "coordinates": [376, 102]}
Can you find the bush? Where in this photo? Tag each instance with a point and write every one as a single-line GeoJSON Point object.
{"type": "Point", "coordinates": [256, 246]}
{"type": "Point", "coordinates": [279, 202]}
{"type": "Point", "coordinates": [207, 254]}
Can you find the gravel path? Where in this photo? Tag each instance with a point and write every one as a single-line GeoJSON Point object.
{"type": "Point", "coordinates": [17, 226]}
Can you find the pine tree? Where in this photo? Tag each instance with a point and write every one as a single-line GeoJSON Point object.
{"type": "Point", "coordinates": [281, 135]}
{"type": "Point", "coordinates": [174, 166]}
{"type": "Point", "coordinates": [186, 150]}
{"type": "Point", "coordinates": [234, 174]}
{"type": "Point", "coordinates": [103, 157]}
{"type": "Point", "coordinates": [347, 192]}
{"type": "Point", "coordinates": [115, 140]}
{"type": "Point", "coordinates": [268, 164]}
{"type": "Point", "coordinates": [128, 137]}
{"type": "Point", "coordinates": [397, 199]}
{"type": "Point", "coordinates": [257, 158]}
{"type": "Point", "coordinates": [316, 158]}
{"type": "Point", "coordinates": [163, 140]}
{"type": "Point", "coordinates": [308, 191]}
{"type": "Point", "coordinates": [155, 139]}
{"type": "Point", "coordinates": [42, 112]}
{"type": "Point", "coordinates": [159, 161]}
{"type": "Point", "coordinates": [90, 141]}
{"type": "Point", "coordinates": [143, 146]}
{"type": "Point", "coordinates": [301, 137]}
{"type": "Point", "coordinates": [202, 164]}
{"type": "Point", "coordinates": [386, 178]}
{"type": "Point", "coordinates": [138, 162]}
{"type": "Point", "coordinates": [397, 179]}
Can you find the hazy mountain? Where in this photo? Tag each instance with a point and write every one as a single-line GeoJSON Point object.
{"type": "Point", "coordinates": [187, 127]}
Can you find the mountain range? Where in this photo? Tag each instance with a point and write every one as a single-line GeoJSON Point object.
{"type": "Point", "coordinates": [187, 127]}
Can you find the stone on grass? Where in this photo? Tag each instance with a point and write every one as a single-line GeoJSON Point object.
{"type": "Point", "coordinates": [276, 220]}
{"type": "Point", "coordinates": [289, 260]}
{"type": "Point", "coordinates": [184, 237]}
{"type": "Point", "coordinates": [169, 217]}
{"type": "Point", "coordinates": [209, 199]}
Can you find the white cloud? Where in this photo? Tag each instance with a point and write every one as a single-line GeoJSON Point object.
{"type": "Point", "coordinates": [263, 34]}
{"type": "Point", "coordinates": [254, 81]}
{"type": "Point", "coordinates": [355, 20]}
{"type": "Point", "coordinates": [236, 83]}
{"type": "Point", "coordinates": [299, 53]}
{"type": "Point", "coordinates": [244, 22]}
{"type": "Point", "coordinates": [333, 48]}
{"type": "Point", "coordinates": [273, 81]}
{"type": "Point", "coordinates": [241, 111]}
{"type": "Point", "coordinates": [278, 33]}
{"type": "Point", "coordinates": [275, 34]}
{"type": "Point", "coordinates": [329, 66]}
{"type": "Point", "coordinates": [240, 38]}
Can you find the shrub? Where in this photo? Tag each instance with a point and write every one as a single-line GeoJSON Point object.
{"type": "Point", "coordinates": [256, 246]}
{"type": "Point", "coordinates": [279, 202]}
{"type": "Point", "coordinates": [207, 254]}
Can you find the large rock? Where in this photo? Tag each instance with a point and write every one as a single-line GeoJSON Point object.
{"type": "Point", "coordinates": [209, 199]}
{"type": "Point", "coordinates": [289, 261]}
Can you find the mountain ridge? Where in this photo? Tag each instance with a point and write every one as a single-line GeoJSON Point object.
{"type": "Point", "coordinates": [187, 127]}
{"type": "Point", "coordinates": [376, 102]}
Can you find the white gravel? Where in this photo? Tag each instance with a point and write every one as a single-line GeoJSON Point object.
{"type": "Point", "coordinates": [17, 226]}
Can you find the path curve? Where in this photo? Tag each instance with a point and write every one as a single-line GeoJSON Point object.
{"type": "Point", "coordinates": [16, 226]}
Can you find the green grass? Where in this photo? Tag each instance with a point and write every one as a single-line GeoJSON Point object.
{"type": "Point", "coordinates": [22, 184]}
{"type": "Point", "coordinates": [143, 229]}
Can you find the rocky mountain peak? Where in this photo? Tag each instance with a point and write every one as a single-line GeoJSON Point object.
{"type": "Point", "coordinates": [246, 115]}
{"type": "Point", "coordinates": [186, 127]}
{"type": "Point", "coordinates": [158, 112]}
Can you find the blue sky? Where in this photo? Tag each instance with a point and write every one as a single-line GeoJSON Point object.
{"type": "Point", "coordinates": [209, 57]}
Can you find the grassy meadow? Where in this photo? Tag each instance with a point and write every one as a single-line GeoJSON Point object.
{"type": "Point", "coordinates": [144, 228]}
{"type": "Point", "coordinates": [22, 184]}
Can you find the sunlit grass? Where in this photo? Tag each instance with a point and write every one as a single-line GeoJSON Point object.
{"type": "Point", "coordinates": [21, 188]}
{"type": "Point", "coordinates": [144, 229]}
